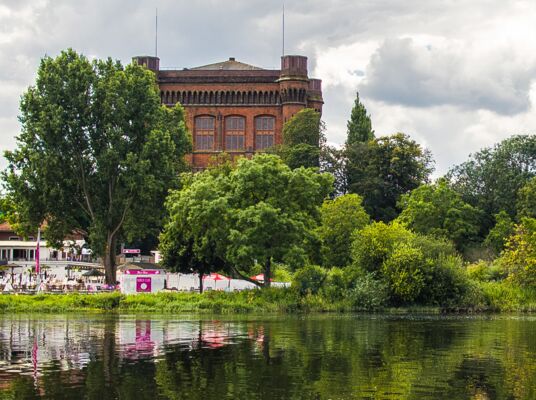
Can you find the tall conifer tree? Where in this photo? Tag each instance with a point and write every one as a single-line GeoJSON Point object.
{"type": "Point", "coordinates": [359, 124]}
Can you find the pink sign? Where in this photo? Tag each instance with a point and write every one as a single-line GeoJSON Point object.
{"type": "Point", "coordinates": [143, 284]}
{"type": "Point", "coordinates": [143, 272]}
{"type": "Point", "coordinates": [131, 251]}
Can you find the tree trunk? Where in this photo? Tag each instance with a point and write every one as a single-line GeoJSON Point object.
{"type": "Point", "coordinates": [200, 282]}
{"type": "Point", "coordinates": [109, 261]}
{"type": "Point", "coordinates": [268, 272]}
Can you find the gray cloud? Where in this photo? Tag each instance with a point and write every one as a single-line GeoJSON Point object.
{"type": "Point", "coordinates": [401, 72]}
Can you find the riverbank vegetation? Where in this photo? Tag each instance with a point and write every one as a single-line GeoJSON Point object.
{"type": "Point", "coordinates": [391, 238]}
{"type": "Point", "coordinates": [483, 297]}
{"type": "Point", "coordinates": [363, 227]}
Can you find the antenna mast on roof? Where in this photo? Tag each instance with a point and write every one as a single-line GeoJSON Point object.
{"type": "Point", "coordinates": [283, 49]}
{"type": "Point", "coordinates": [156, 35]}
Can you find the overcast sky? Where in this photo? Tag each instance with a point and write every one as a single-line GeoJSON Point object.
{"type": "Point", "coordinates": [454, 75]}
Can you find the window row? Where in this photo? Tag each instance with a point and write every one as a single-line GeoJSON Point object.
{"type": "Point", "coordinates": [235, 133]}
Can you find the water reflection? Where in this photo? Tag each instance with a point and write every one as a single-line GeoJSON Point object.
{"type": "Point", "coordinates": [323, 357]}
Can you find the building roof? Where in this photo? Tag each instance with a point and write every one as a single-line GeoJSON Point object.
{"type": "Point", "coordinates": [5, 227]}
{"type": "Point", "coordinates": [229, 65]}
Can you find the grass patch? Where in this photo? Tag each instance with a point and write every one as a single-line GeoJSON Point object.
{"type": "Point", "coordinates": [484, 296]}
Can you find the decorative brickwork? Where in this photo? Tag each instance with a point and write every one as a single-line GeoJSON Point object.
{"type": "Point", "coordinates": [236, 107]}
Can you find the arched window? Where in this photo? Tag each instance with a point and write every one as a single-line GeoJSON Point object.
{"type": "Point", "coordinates": [235, 133]}
{"type": "Point", "coordinates": [204, 132]}
{"type": "Point", "coordinates": [264, 132]}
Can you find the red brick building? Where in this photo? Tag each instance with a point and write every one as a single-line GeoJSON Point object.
{"type": "Point", "coordinates": [235, 107]}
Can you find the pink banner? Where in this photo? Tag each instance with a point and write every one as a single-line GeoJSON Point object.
{"type": "Point", "coordinates": [143, 272]}
{"type": "Point", "coordinates": [143, 284]}
{"type": "Point", "coordinates": [131, 251]}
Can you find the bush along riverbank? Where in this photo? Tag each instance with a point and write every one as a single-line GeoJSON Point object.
{"type": "Point", "coordinates": [483, 297]}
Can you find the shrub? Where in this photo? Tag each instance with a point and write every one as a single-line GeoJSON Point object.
{"type": "Point", "coordinates": [335, 284]}
{"type": "Point", "coordinates": [373, 244]}
{"type": "Point", "coordinates": [434, 247]}
{"type": "Point", "coordinates": [485, 271]}
{"type": "Point", "coordinates": [309, 279]}
{"type": "Point", "coordinates": [403, 272]}
{"type": "Point", "coordinates": [519, 256]}
{"type": "Point", "coordinates": [445, 281]}
{"type": "Point", "coordinates": [368, 293]}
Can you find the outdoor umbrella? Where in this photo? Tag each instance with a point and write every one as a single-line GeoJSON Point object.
{"type": "Point", "coordinates": [259, 278]}
{"type": "Point", "coordinates": [216, 277]}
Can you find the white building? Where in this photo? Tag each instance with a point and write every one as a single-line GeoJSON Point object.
{"type": "Point", "coordinates": [15, 248]}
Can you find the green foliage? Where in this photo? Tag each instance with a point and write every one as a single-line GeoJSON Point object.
{"type": "Point", "coordinates": [303, 136]}
{"type": "Point", "coordinates": [485, 271]}
{"type": "Point", "coordinates": [373, 244]}
{"type": "Point", "coordinates": [97, 153]}
{"type": "Point", "coordinates": [519, 256]}
{"type": "Point", "coordinates": [368, 293]}
{"type": "Point", "coordinates": [261, 211]}
{"type": "Point", "coordinates": [506, 297]}
{"type": "Point", "coordinates": [5, 209]}
{"type": "Point", "coordinates": [417, 268]}
{"type": "Point", "coordinates": [526, 200]}
{"type": "Point", "coordinates": [309, 279]}
{"type": "Point", "coordinates": [300, 155]}
{"type": "Point", "coordinates": [491, 178]}
{"type": "Point", "coordinates": [434, 247]}
{"type": "Point", "coordinates": [339, 219]}
{"type": "Point", "coordinates": [383, 169]}
{"type": "Point", "coordinates": [304, 127]}
{"type": "Point", "coordinates": [498, 235]}
{"type": "Point", "coordinates": [335, 284]}
{"type": "Point", "coordinates": [403, 271]}
{"type": "Point", "coordinates": [359, 127]}
{"type": "Point", "coordinates": [438, 210]}
{"type": "Point", "coordinates": [445, 281]}
{"type": "Point", "coordinates": [333, 161]}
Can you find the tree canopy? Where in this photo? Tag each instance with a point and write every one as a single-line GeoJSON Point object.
{"type": "Point", "coordinates": [492, 177]}
{"type": "Point", "coordinates": [303, 136]}
{"type": "Point", "coordinates": [436, 209]}
{"type": "Point", "coordinates": [359, 127]}
{"type": "Point", "coordinates": [97, 153]}
{"type": "Point", "coordinates": [261, 212]}
{"type": "Point", "coordinates": [385, 168]}
{"type": "Point", "coordinates": [340, 218]}
{"type": "Point", "coordinates": [499, 234]}
{"type": "Point", "coordinates": [526, 200]}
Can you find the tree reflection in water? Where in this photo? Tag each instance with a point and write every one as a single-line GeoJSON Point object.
{"type": "Point", "coordinates": [315, 357]}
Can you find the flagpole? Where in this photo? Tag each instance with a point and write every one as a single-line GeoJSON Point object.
{"type": "Point", "coordinates": [37, 265]}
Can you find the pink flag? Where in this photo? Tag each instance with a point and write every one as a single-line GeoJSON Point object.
{"type": "Point", "coordinates": [37, 266]}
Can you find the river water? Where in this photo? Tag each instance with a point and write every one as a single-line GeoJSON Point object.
{"type": "Point", "coordinates": [299, 357]}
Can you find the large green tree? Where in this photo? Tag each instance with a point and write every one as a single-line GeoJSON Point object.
{"type": "Point", "coordinates": [359, 127]}
{"type": "Point", "coordinates": [438, 210]}
{"type": "Point", "coordinates": [97, 153]}
{"type": "Point", "coordinates": [383, 169]}
{"type": "Point", "coordinates": [492, 177]}
{"type": "Point", "coordinates": [340, 218]}
{"type": "Point", "coordinates": [194, 238]}
{"type": "Point", "coordinates": [261, 212]}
